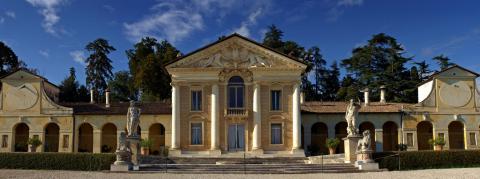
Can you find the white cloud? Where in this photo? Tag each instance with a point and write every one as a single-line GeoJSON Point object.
{"type": "Point", "coordinates": [78, 56]}
{"type": "Point", "coordinates": [48, 9]}
{"type": "Point", "coordinates": [339, 8]}
{"type": "Point", "coordinates": [176, 20]}
{"type": "Point", "coordinates": [10, 14]}
{"type": "Point", "coordinates": [251, 20]}
{"type": "Point", "coordinates": [450, 44]}
{"type": "Point", "coordinates": [44, 53]}
{"type": "Point", "coordinates": [350, 2]}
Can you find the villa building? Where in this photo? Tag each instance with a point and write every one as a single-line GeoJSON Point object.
{"type": "Point", "coordinates": [238, 95]}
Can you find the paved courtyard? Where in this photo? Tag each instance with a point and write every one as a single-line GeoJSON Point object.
{"type": "Point", "coordinates": [437, 173]}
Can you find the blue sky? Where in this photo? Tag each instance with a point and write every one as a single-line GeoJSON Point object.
{"type": "Point", "coordinates": [50, 35]}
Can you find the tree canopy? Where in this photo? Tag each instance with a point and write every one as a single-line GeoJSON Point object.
{"type": "Point", "coordinates": [8, 59]}
{"type": "Point", "coordinates": [99, 67]}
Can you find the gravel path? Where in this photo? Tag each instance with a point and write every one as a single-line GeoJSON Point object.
{"type": "Point", "coordinates": [423, 174]}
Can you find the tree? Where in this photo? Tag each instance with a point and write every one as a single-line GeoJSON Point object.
{"type": "Point", "coordinates": [121, 87]}
{"type": "Point", "coordinates": [348, 89]}
{"type": "Point", "coordinates": [381, 62]}
{"type": "Point", "coordinates": [69, 88]}
{"type": "Point", "coordinates": [332, 83]}
{"type": "Point", "coordinates": [273, 38]}
{"type": "Point", "coordinates": [443, 61]}
{"type": "Point", "coordinates": [8, 60]}
{"type": "Point", "coordinates": [423, 69]}
{"type": "Point", "coordinates": [146, 62]}
{"type": "Point", "coordinates": [99, 67]}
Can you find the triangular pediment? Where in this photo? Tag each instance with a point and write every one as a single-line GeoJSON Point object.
{"type": "Point", "coordinates": [236, 51]}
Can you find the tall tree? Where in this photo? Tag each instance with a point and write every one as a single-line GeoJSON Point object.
{"type": "Point", "coordinates": [146, 62]}
{"type": "Point", "coordinates": [99, 67]}
{"type": "Point", "coordinates": [273, 38]}
{"type": "Point", "coordinates": [8, 60]}
{"type": "Point", "coordinates": [423, 69]}
{"type": "Point", "coordinates": [121, 87]}
{"type": "Point", "coordinates": [443, 61]}
{"type": "Point", "coordinates": [331, 83]}
{"type": "Point", "coordinates": [381, 62]}
{"type": "Point", "coordinates": [69, 88]}
{"type": "Point", "coordinates": [349, 89]}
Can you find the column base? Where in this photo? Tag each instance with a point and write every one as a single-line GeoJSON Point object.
{"type": "Point", "coordinates": [215, 152]}
{"type": "Point", "coordinates": [257, 152]}
{"type": "Point", "coordinates": [298, 152]}
{"type": "Point", "coordinates": [174, 152]}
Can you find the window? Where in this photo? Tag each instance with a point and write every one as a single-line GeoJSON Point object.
{"type": "Point", "coordinates": [276, 130]}
{"type": "Point", "coordinates": [196, 134]}
{"type": "Point", "coordinates": [275, 96]}
{"type": "Point", "coordinates": [473, 140]}
{"type": "Point", "coordinates": [4, 141]}
{"type": "Point", "coordinates": [409, 139]}
{"type": "Point", "coordinates": [196, 100]}
{"type": "Point", "coordinates": [235, 92]}
{"type": "Point", "coordinates": [65, 141]}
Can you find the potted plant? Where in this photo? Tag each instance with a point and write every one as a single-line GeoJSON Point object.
{"type": "Point", "coordinates": [332, 144]}
{"type": "Point", "coordinates": [34, 143]}
{"type": "Point", "coordinates": [146, 144]}
{"type": "Point", "coordinates": [437, 143]}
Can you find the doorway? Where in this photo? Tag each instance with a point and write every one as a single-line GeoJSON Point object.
{"type": "Point", "coordinates": [236, 137]}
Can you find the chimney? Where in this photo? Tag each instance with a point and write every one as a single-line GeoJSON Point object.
{"type": "Point", "coordinates": [107, 98]}
{"type": "Point", "coordinates": [382, 94]}
{"type": "Point", "coordinates": [366, 95]}
{"type": "Point", "coordinates": [91, 96]}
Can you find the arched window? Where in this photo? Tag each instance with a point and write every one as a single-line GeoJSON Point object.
{"type": "Point", "coordinates": [236, 93]}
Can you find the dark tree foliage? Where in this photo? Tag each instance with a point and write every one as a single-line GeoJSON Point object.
{"type": "Point", "coordinates": [121, 87]}
{"type": "Point", "coordinates": [8, 60]}
{"type": "Point", "coordinates": [381, 62]}
{"type": "Point", "coordinates": [146, 62]}
{"type": "Point", "coordinates": [348, 89]}
{"type": "Point", "coordinates": [443, 61]}
{"type": "Point", "coordinates": [99, 67]}
{"type": "Point", "coordinates": [423, 69]}
{"type": "Point", "coordinates": [273, 38]}
{"type": "Point", "coordinates": [71, 91]}
{"type": "Point", "coordinates": [331, 83]}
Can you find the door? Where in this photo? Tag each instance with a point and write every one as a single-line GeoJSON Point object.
{"type": "Point", "coordinates": [236, 137]}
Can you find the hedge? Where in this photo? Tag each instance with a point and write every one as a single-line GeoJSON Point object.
{"type": "Point", "coordinates": [413, 160]}
{"type": "Point", "coordinates": [56, 161]}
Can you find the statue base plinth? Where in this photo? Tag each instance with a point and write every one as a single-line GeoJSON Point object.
{"type": "Point", "coordinates": [350, 144]}
{"type": "Point", "coordinates": [134, 144]}
{"type": "Point", "coordinates": [365, 162]}
{"type": "Point", "coordinates": [120, 168]}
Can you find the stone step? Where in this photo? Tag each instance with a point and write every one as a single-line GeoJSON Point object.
{"type": "Point", "coordinates": [162, 160]}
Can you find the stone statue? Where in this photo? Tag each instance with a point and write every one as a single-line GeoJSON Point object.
{"type": "Point", "coordinates": [133, 119]}
{"type": "Point", "coordinates": [365, 142]}
{"type": "Point", "coordinates": [351, 116]}
{"type": "Point", "coordinates": [123, 151]}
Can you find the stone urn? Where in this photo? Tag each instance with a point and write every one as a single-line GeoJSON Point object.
{"type": "Point", "coordinates": [145, 151]}
{"type": "Point", "coordinates": [32, 148]}
{"type": "Point", "coordinates": [438, 147]}
{"type": "Point", "coordinates": [331, 150]}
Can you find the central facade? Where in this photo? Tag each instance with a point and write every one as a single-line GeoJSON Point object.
{"type": "Point", "coordinates": [236, 95]}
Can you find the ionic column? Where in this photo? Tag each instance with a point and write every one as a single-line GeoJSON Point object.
{"type": "Point", "coordinates": [257, 118]}
{"type": "Point", "coordinates": [175, 117]}
{"type": "Point", "coordinates": [296, 117]}
{"type": "Point", "coordinates": [214, 114]}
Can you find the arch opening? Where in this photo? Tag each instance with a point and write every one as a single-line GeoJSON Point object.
{"type": "Point", "coordinates": [109, 138]}
{"type": "Point", "coordinates": [21, 137]}
{"type": "Point", "coordinates": [424, 134]}
{"type": "Point", "coordinates": [319, 135]}
{"type": "Point", "coordinates": [85, 138]}
{"type": "Point", "coordinates": [456, 135]}
{"type": "Point", "coordinates": [156, 133]}
{"type": "Point", "coordinates": [340, 133]}
{"type": "Point", "coordinates": [52, 138]}
{"type": "Point", "coordinates": [390, 136]}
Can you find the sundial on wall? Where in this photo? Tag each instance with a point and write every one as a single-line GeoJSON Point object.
{"type": "Point", "coordinates": [455, 93]}
{"type": "Point", "coordinates": [22, 97]}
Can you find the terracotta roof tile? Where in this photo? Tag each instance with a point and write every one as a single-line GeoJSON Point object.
{"type": "Point", "coordinates": [118, 108]}
{"type": "Point", "coordinates": [340, 107]}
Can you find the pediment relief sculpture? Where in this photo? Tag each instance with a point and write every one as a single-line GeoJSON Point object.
{"type": "Point", "coordinates": [233, 57]}
{"type": "Point", "coordinates": [24, 96]}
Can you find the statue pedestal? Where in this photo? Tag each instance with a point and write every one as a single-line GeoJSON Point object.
{"type": "Point", "coordinates": [122, 164]}
{"type": "Point", "coordinates": [134, 144]}
{"type": "Point", "coordinates": [350, 144]}
{"type": "Point", "coordinates": [365, 161]}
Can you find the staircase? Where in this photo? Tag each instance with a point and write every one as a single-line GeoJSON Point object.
{"type": "Point", "coordinates": [294, 165]}
{"type": "Point", "coordinates": [327, 159]}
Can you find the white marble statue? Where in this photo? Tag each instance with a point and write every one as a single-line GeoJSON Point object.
{"type": "Point", "coordinates": [123, 151]}
{"type": "Point", "coordinates": [133, 119]}
{"type": "Point", "coordinates": [365, 142]}
{"type": "Point", "coordinates": [351, 116]}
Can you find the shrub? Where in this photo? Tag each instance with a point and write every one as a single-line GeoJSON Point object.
{"type": "Point", "coordinates": [34, 141]}
{"type": "Point", "coordinates": [146, 143]}
{"type": "Point", "coordinates": [437, 141]}
{"type": "Point", "coordinates": [332, 142]}
{"type": "Point", "coordinates": [56, 161]}
{"type": "Point", "coordinates": [413, 160]}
